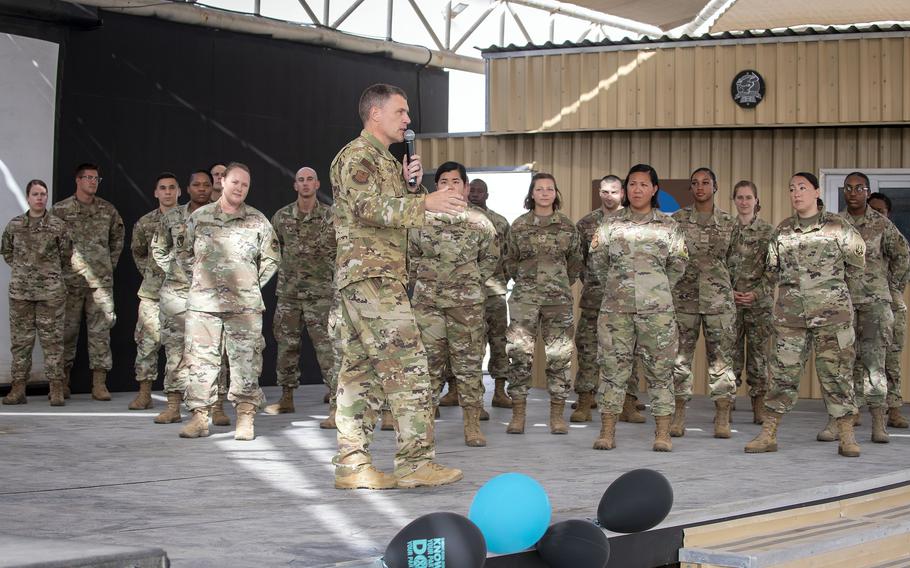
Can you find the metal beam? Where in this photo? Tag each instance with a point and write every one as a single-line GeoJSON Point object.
{"type": "Point", "coordinates": [278, 29]}
{"type": "Point", "coordinates": [592, 16]}
{"type": "Point", "coordinates": [448, 24]}
{"type": "Point", "coordinates": [426, 25]}
{"type": "Point", "coordinates": [325, 11]}
{"type": "Point", "coordinates": [710, 12]}
{"type": "Point", "coordinates": [388, 24]}
{"type": "Point", "coordinates": [477, 23]}
{"type": "Point", "coordinates": [309, 12]}
{"type": "Point", "coordinates": [518, 21]}
{"type": "Point", "coordinates": [347, 13]}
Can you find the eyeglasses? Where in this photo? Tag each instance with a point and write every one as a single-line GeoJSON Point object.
{"type": "Point", "coordinates": [854, 189]}
{"type": "Point", "coordinates": [91, 178]}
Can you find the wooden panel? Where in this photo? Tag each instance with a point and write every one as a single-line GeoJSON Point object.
{"type": "Point", "coordinates": [849, 80]}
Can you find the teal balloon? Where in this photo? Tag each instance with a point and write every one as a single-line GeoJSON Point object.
{"type": "Point", "coordinates": [512, 511]}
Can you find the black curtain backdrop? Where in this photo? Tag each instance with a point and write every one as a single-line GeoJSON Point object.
{"type": "Point", "coordinates": [139, 96]}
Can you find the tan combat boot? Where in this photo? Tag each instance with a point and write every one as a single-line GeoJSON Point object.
{"type": "Point", "coordinates": [484, 415]}
{"type": "Point", "coordinates": [758, 409]}
{"type": "Point", "coordinates": [329, 422]}
{"type": "Point", "coordinates": [56, 393]}
{"type": "Point", "coordinates": [364, 477]}
{"type": "Point", "coordinates": [662, 441]}
{"type": "Point", "coordinates": [500, 398]}
{"type": "Point", "coordinates": [16, 393]}
{"type": "Point", "coordinates": [678, 424]}
{"type": "Point", "coordinates": [219, 418]}
{"type": "Point", "coordinates": [388, 422]}
{"type": "Point", "coordinates": [451, 397]}
{"type": "Point", "coordinates": [99, 385]}
{"type": "Point", "coordinates": [607, 438]}
{"type": "Point", "coordinates": [848, 446]}
{"type": "Point", "coordinates": [67, 371]}
{"type": "Point", "coordinates": [639, 406]}
{"type": "Point", "coordinates": [285, 404]}
{"type": "Point", "coordinates": [829, 432]}
{"type": "Point", "coordinates": [246, 412]}
{"type": "Point", "coordinates": [766, 441]}
{"type": "Point", "coordinates": [722, 409]}
{"type": "Point", "coordinates": [143, 399]}
{"type": "Point", "coordinates": [857, 418]}
{"type": "Point", "coordinates": [582, 411]}
{"type": "Point", "coordinates": [198, 426]}
{"type": "Point", "coordinates": [171, 414]}
{"type": "Point", "coordinates": [517, 424]}
{"type": "Point", "coordinates": [895, 419]}
{"type": "Point", "coordinates": [629, 411]}
{"type": "Point", "coordinates": [327, 398]}
{"type": "Point", "coordinates": [473, 437]}
{"type": "Point", "coordinates": [557, 422]}
{"type": "Point", "coordinates": [430, 474]}
{"type": "Point", "coordinates": [879, 434]}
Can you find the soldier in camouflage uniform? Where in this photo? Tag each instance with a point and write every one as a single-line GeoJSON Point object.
{"type": "Point", "coordinates": [96, 230]}
{"type": "Point", "coordinates": [704, 300]}
{"type": "Point", "coordinates": [382, 353]}
{"type": "Point", "coordinates": [816, 260]}
{"type": "Point", "coordinates": [169, 253]}
{"type": "Point", "coordinates": [37, 249]}
{"type": "Point", "coordinates": [236, 253]}
{"type": "Point", "coordinates": [752, 330]}
{"type": "Point", "coordinates": [873, 320]}
{"type": "Point", "coordinates": [882, 203]}
{"type": "Point", "coordinates": [148, 327]}
{"type": "Point", "coordinates": [588, 375]}
{"type": "Point", "coordinates": [637, 255]}
{"type": "Point", "coordinates": [449, 264]}
{"type": "Point", "coordinates": [544, 259]}
{"type": "Point", "coordinates": [216, 171]}
{"type": "Point", "coordinates": [305, 288]}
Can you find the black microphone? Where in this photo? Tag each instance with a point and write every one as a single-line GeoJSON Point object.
{"type": "Point", "coordinates": [409, 137]}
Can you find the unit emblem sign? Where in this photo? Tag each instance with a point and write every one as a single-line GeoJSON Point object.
{"type": "Point", "coordinates": [748, 88]}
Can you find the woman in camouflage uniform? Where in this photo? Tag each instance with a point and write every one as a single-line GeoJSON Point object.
{"type": "Point", "coordinates": [638, 254]}
{"type": "Point", "coordinates": [544, 259]}
{"type": "Point", "coordinates": [753, 302]}
{"type": "Point", "coordinates": [816, 259]}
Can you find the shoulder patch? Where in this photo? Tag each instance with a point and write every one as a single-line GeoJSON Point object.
{"type": "Point", "coordinates": [361, 176]}
{"type": "Point", "coordinates": [370, 166]}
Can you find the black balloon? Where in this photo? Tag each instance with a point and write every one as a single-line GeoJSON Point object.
{"type": "Point", "coordinates": [635, 502]}
{"type": "Point", "coordinates": [574, 544]}
{"type": "Point", "coordinates": [437, 540]}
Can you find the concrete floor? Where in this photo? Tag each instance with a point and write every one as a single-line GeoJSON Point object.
{"type": "Point", "coordinates": [96, 472]}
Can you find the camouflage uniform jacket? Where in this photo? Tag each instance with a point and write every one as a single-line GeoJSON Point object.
{"type": "Point", "coordinates": [816, 268]}
{"type": "Point", "coordinates": [497, 285]}
{"type": "Point", "coordinates": [235, 256]}
{"type": "Point", "coordinates": [706, 287]}
{"type": "Point", "coordinates": [886, 256]}
{"type": "Point", "coordinates": [450, 262]}
{"type": "Point", "coordinates": [895, 282]}
{"type": "Point", "coordinates": [544, 259]}
{"type": "Point", "coordinates": [373, 211]}
{"type": "Point", "coordinates": [38, 252]}
{"type": "Point", "coordinates": [96, 231]}
{"type": "Point", "coordinates": [747, 263]}
{"type": "Point", "coordinates": [638, 263]}
{"type": "Point", "coordinates": [592, 292]}
{"type": "Point", "coordinates": [307, 251]}
{"type": "Point", "coordinates": [169, 250]}
{"type": "Point", "coordinates": [141, 246]}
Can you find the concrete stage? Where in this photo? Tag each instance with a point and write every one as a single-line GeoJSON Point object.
{"type": "Point", "coordinates": [99, 473]}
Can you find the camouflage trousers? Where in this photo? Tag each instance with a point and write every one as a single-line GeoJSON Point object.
{"type": "Point", "coordinates": [453, 338]}
{"type": "Point", "coordinates": [624, 338]}
{"type": "Point", "coordinates": [556, 326]}
{"type": "Point", "coordinates": [874, 327]}
{"type": "Point", "coordinates": [893, 358]}
{"type": "Point", "coordinates": [28, 318]}
{"type": "Point", "coordinates": [752, 336]}
{"type": "Point", "coordinates": [291, 316]}
{"type": "Point", "coordinates": [209, 337]}
{"type": "Point", "coordinates": [718, 330]}
{"type": "Point", "coordinates": [382, 356]}
{"type": "Point", "coordinates": [496, 316]}
{"type": "Point", "coordinates": [148, 340]}
{"type": "Point", "coordinates": [587, 378]}
{"type": "Point", "coordinates": [834, 353]}
{"type": "Point", "coordinates": [172, 322]}
{"type": "Point", "coordinates": [98, 305]}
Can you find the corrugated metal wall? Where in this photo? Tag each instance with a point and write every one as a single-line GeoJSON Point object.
{"type": "Point", "coordinates": [809, 82]}
{"type": "Point", "coordinates": [766, 156]}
